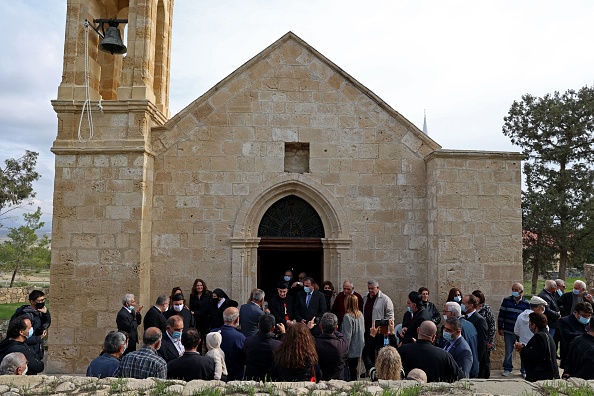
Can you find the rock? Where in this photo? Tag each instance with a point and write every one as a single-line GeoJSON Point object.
{"type": "Point", "coordinates": [65, 387]}
{"type": "Point", "coordinates": [175, 388]}
{"type": "Point", "coordinates": [139, 384]}
{"type": "Point", "coordinates": [374, 389]}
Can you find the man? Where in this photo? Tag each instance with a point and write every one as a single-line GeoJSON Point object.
{"type": "Point", "coordinates": [171, 345]}
{"type": "Point", "coordinates": [429, 306]}
{"type": "Point", "coordinates": [19, 329]}
{"type": "Point", "coordinates": [376, 306]}
{"type": "Point", "coordinates": [469, 305]}
{"type": "Point", "coordinates": [580, 357]}
{"type": "Point", "coordinates": [552, 311]}
{"type": "Point", "coordinates": [249, 314]}
{"type": "Point", "coordinates": [128, 320]}
{"type": "Point", "coordinates": [560, 287]}
{"type": "Point", "coordinates": [469, 333]}
{"type": "Point", "coordinates": [511, 307]}
{"type": "Point", "coordinates": [106, 364]}
{"type": "Point", "coordinates": [40, 319]}
{"type": "Point", "coordinates": [332, 348]}
{"type": "Point", "coordinates": [415, 315]}
{"type": "Point", "coordinates": [577, 295]}
{"type": "Point", "coordinates": [259, 349]}
{"type": "Point", "coordinates": [154, 317]}
{"type": "Point", "coordinates": [438, 364]}
{"type": "Point", "coordinates": [456, 345]}
{"type": "Point", "coordinates": [522, 326]}
{"type": "Point", "coordinates": [178, 308]}
{"type": "Point", "coordinates": [338, 307]}
{"type": "Point", "coordinates": [560, 290]}
{"type": "Point", "coordinates": [281, 306]}
{"type": "Point", "coordinates": [309, 303]}
{"type": "Point", "coordinates": [232, 344]}
{"type": "Point", "coordinates": [573, 326]}
{"type": "Point", "coordinates": [145, 362]}
{"type": "Point", "coordinates": [191, 366]}
{"type": "Point", "coordinates": [297, 286]}
{"type": "Point", "coordinates": [15, 363]}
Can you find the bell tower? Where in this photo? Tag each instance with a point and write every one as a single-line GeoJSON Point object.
{"type": "Point", "coordinates": [107, 106]}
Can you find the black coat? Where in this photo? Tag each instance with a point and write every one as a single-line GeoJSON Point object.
{"type": "Point", "coordinates": [439, 365]}
{"type": "Point", "coordinates": [201, 308]}
{"type": "Point", "coordinates": [40, 322]}
{"type": "Point", "coordinates": [413, 324]}
{"type": "Point", "coordinates": [482, 332]}
{"type": "Point", "coordinates": [8, 346]}
{"type": "Point", "coordinates": [570, 328]}
{"type": "Point", "coordinates": [129, 323]}
{"type": "Point", "coordinates": [552, 311]}
{"type": "Point", "coordinates": [539, 357]}
{"type": "Point", "coordinates": [332, 354]}
{"type": "Point", "coordinates": [168, 351]}
{"type": "Point", "coordinates": [155, 318]}
{"type": "Point", "coordinates": [191, 366]}
{"type": "Point", "coordinates": [276, 305]}
{"type": "Point", "coordinates": [216, 313]}
{"type": "Point", "coordinates": [580, 358]}
{"type": "Point", "coordinates": [316, 308]}
{"type": "Point", "coordinates": [189, 321]}
{"type": "Point", "coordinates": [259, 350]}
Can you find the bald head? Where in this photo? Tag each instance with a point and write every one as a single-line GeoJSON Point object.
{"type": "Point", "coordinates": [152, 337]}
{"type": "Point", "coordinates": [231, 316]}
{"type": "Point", "coordinates": [427, 330]}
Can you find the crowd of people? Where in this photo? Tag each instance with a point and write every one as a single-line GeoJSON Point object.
{"type": "Point", "coordinates": [303, 333]}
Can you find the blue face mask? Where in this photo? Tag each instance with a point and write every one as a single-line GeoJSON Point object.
{"type": "Point", "coordinates": [447, 336]}
{"type": "Point", "coordinates": [287, 278]}
{"type": "Point", "coordinates": [306, 290]}
{"type": "Point", "coordinates": [30, 332]}
{"type": "Point", "coordinates": [177, 335]}
{"type": "Point", "coordinates": [516, 294]}
{"type": "Point", "coordinates": [584, 320]}
{"type": "Point", "coordinates": [576, 291]}
{"type": "Point", "coordinates": [559, 292]}
{"type": "Point", "coordinates": [457, 298]}
{"type": "Point", "coordinates": [409, 309]}
{"type": "Point", "coordinates": [462, 308]}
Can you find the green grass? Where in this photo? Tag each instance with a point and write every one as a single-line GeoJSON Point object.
{"type": "Point", "coordinates": [7, 310]}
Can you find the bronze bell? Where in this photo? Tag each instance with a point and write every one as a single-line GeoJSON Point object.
{"type": "Point", "coordinates": [112, 42]}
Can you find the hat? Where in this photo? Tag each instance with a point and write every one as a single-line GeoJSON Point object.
{"type": "Point", "coordinates": [282, 285]}
{"type": "Point", "coordinates": [535, 300]}
{"type": "Point", "coordinates": [415, 297]}
{"type": "Point", "coordinates": [177, 297]}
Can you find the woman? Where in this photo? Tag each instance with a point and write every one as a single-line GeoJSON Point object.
{"type": "Point", "coordinates": [219, 301]}
{"type": "Point", "coordinates": [296, 359]}
{"type": "Point", "coordinates": [200, 300]}
{"type": "Point", "coordinates": [174, 291]}
{"type": "Point", "coordinates": [353, 328]}
{"type": "Point", "coordinates": [486, 312]}
{"type": "Point", "coordinates": [429, 306]}
{"type": "Point", "coordinates": [539, 356]}
{"type": "Point", "coordinates": [388, 365]}
{"type": "Point", "coordinates": [455, 295]}
{"type": "Point", "coordinates": [328, 290]}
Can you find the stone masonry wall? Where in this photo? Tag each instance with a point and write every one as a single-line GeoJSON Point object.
{"type": "Point", "coordinates": [9, 295]}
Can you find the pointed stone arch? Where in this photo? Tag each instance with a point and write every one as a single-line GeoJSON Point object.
{"type": "Point", "coordinates": [244, 242]}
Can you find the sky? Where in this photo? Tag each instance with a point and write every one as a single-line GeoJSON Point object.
{"type": "Point", "coordinates": [463, 62]}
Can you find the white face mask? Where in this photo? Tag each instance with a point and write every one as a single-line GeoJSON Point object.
{"type": "Point", "coordinates": [178, 308]}
{"type": "Point", "coordinates": [25, 370]}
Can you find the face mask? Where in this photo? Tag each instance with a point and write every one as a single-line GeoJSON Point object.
{"type": "Point", "coordinates": [215, 299]}
{"type": "Point", "coordinates": [287, 278]}
{"type": "Point", "coordinates": [409, 309]}
{"type": "Point", "coordinates": [328, 293]}
{"type": "Point", "coordinates": [124, 350]}
{"type": "Point", "coordinates": [306, 290]}
{"type": "Point", "coordinates": [559, 292]}
{"type": "Point", "coordinates": [447, 336]}
{"type": "Point", "coordinates": [30, 332]}
{"type": "Point", "coordinates": [25, 370]}
{"type": "Point", "coordinates": [463, 308]}
{"type": "Point", "coordinates": [178, 308]}
{"type": "Point", "coordinates": [177, 335]}
{"type": "Point", "coordinates": [576, 291]}
{"type": "Point", "coordinates": [457, 298]}
{"type": "Point", "coordinates": [40, 305]}
{"type": "Point", "coordinates": [516, 294]}
{"type": "Point", "coordinates": [584, 320]}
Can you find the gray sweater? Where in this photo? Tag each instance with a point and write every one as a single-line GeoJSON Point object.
{"type": "Point", "coordinates": [354, 331]}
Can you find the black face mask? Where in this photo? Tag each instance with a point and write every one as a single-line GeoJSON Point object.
{"type": "Point", "coordinates": [215, 299]}
{"type": "Point", "coordinates": [40, 305]}
{"type": "Point", "coordinates": [328, 293]}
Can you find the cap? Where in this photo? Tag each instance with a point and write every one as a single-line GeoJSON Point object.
{"type": "Point", "coordinates": [535, 300]}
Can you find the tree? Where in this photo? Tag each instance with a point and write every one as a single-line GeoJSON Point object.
{"type": "Point", "coordinates": [24, 249]}
{"type": "Point", "coordinates": [16, 181]}
{"type": "Point", "coordinates": [556, 133]}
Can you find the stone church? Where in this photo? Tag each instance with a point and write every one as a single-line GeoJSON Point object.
{"type": "Point", "coordinates": [289, 162]}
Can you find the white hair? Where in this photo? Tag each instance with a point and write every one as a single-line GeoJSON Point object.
{"type": "Point", "coordinates": [127, 298]}
{"type": "Point", "coordinates": [452, 306]}
{"type": "Point", "coordinates": [12, 362]}
{"type": "Point", "coordinates": [550, 284]}
{"type": "Point", "coordinates": [580, 283]}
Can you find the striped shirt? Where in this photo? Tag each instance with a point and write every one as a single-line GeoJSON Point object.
{"type": "Point", "coordinates": [142, 364]}
{"type": "Point", "coordinates": [509, 311]}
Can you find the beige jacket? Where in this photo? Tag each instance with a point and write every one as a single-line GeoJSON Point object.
{"type": "Point", "coordinates": [382, 307]}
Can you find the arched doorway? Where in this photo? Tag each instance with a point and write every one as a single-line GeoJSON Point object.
{"type": "Point", "coordinates": [290, 233]}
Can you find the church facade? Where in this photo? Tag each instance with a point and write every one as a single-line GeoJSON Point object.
{"type": "Point", "coordinates": [289, 162]}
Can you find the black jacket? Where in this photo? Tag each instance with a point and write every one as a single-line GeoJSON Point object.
{"type": "Point", "coordinates": [482, 332]}
{"type": "Point", "coordinates": [40, 321]}
{"type": "Point", "coordinates": [552, 311]}
{"type": "Point", "coordinates": [8, 346]}
{"type": "Point", "coordinates": [580, 358]}
{"type": "Point", "coordinates": [570, 328]}
{"type": "Point", "coordinates": [129, 323]}
{"type": "Point", "coordinates": [168, 351]}
{"type": "Point", "coordinates": [332, 354]}
{"type": "Point", "coordinates": [316, 308]}
{"type": "Point", "coordinates": [539, 357]}
{"type": "Point", "coordinates": [413, 324]}
{"type": "Point", "coordinates": [439, 365]}
{"type": "Point", "coordinates": [201, 308]}
{"type": "Point", "coordinates": [276, 305]}
{"type": "Point", "coordinates": [155, 318]}
{"type": "Point", "coordinates": [259, 350]}
{"type": "Point", "coordinates": [191, 366]}
{"type": "Point", "coordinates": [189, 321]}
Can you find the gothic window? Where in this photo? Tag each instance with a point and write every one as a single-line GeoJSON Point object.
{"type": "Point", "coordinates": [291, 217]}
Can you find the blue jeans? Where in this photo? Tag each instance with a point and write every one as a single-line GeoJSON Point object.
{"type": "Point", "coordinates": [510, 340]}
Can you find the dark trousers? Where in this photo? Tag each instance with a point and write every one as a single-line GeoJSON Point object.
{"type": "Point", "coordinates": [485, 366]}
{"type": "Point", "coordinates": [372, 344]}
{"type": "Point", "coordinates": [352, 366]}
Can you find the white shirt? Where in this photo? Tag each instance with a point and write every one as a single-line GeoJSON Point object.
{"type": "Point", "coordinates": [221, 301]}
{"type": "Point", "coordinates": [178, 345]}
